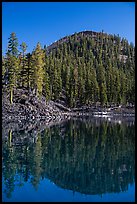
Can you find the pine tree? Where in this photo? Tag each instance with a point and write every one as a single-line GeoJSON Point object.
{"type": "Point", "coordinates": [57, 82]}
{"type": "Point", "coordinates": [24, 65]}
{"type": "Point", "coordinates": [3, 70]}
{"type": "Point", "coordinates": [46, 89]}
{"type": "Point", "coordinates": [29, 71]}
{"type": "Point", "coordinates": [12, 45]}
{"type": "Point", "coordinates": [13, 63]}
{"type": "Point", "coordinates": [81, 84]}
{"type": "Point", "coordinates": [75, 83]}
{"type": "Point", "coordinates": [38, 65]}
{"type": "Point", "coordinates": [109, 79]}
{"type": "Point", "coordinates": [122, 87]}
{"type": "Point", "coordinates": [102, 84]}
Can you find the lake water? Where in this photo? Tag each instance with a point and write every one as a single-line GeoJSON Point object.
{"type": "Point", "coordinates": [86, 159]}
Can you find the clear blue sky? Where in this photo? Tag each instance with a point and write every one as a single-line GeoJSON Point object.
{"type": "Point", "coordinates": [46, 22]}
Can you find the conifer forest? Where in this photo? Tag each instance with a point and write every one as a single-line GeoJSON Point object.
{"type": "Point", "coordinates": [82, 69]}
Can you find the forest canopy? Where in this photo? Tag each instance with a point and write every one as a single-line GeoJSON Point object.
{"type": "Point", "coordinates": [81, 69]}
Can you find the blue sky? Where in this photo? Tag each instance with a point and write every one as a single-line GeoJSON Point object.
{"type": "Point", "coordinates": [46, 22]}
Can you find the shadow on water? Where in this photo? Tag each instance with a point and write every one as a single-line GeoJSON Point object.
{"type": "Point", "coordinates": [90, 156]}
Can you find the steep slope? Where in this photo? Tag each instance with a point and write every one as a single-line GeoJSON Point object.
{"type": "Point", "coordinates": [66, 38]}
{"type": "Point", "coordinates": [84, 69]}
{"type": "Point", "coordinates": [93, 67]}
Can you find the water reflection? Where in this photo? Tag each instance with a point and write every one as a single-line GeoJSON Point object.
{"type": "Point", "coordinates": [87, 156]}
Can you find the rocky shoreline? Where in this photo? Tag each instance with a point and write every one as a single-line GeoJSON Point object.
{"type": "Point", "coordinates": [30, 108]}
{"type": "Point", "coordinates": [30, 115]}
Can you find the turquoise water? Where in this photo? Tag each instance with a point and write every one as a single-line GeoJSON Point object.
{"type": "Point", "coordinates": [76, 160]}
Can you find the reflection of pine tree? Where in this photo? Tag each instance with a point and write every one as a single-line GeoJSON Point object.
{"type": "Point", "coordinates": [36, 171]}
{"type": "Point", "coordinates": [9, 168]}
{"type": "Point", "coordinates": [78, 155]}
{"type": "Point", "coordinates": [9, 186]}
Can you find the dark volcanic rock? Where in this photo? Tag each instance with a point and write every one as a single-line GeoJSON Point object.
{"type": "Point", "coordinates": [27, 106]}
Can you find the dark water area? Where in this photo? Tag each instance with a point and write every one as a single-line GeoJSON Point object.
{"type": "Point", "coordinates": [87, 159]}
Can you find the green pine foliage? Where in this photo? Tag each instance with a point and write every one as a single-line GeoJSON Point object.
{"type": "Point", "coordinates": [88, 67]}
{"type": "Point", "coordinates": [38, 66]}
{"type": "Point", "coordinates": [3, 69]}
{"type": "Point", "coordinates": [23, 66]}
{"type": "Point", "coordinates": [12, 63]}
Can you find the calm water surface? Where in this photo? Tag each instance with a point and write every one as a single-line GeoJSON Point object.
{"type": "Point", "coordinates": [76, 160]}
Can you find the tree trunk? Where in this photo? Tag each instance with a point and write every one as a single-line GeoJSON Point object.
{"type": "Point", "coordinates": [11, 96]}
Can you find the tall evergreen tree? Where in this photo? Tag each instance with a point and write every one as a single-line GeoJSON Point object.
{"type": "Point", "coordinates": [12, 64]}
{"type": "Point", "coordinates": [24, 65]}
{"type": "Point", "coordinates": [3, 70]}
{"type": "Point", "coordinates": [38, 65]}
{"type": "Point", "coordinates": [102, 84]}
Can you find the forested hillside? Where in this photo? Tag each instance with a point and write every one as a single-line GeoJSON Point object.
{"type": "Point", "coordinates": [82, 69]}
